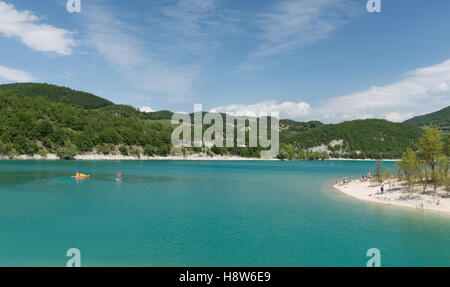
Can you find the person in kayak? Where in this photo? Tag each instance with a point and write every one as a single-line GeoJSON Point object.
{"type": "Point", "coordinates": [79, 175]}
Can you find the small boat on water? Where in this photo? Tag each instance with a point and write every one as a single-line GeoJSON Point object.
{"type": "Point", "coordinates": [80, 175]}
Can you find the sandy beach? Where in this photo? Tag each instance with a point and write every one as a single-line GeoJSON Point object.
{"type": "Point", "coordinates": [397, 195]}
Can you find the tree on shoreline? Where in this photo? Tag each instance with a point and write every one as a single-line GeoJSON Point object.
{"type": "Point", "coordinates": [410, 166]}
{"type": "Point", "coordinates": [379, 172]}
{"type": "Point", "coordinates": [446, 165]}
{"type": "Point", "coordinates": [431, 163]}
{"type": "Point", "coordinates": [431, 147]}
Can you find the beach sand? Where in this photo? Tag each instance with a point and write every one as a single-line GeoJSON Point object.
{"type": "Point", "coordinates": [397, 195]}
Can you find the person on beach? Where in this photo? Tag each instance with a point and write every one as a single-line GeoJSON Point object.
{"type": "Point", "coordinates": [382, 188]}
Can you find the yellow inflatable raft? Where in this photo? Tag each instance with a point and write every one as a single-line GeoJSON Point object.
{"type": "Point", "coordinates": [81, 176]}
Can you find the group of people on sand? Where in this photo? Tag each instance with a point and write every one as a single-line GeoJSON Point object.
{"type": "Point", "coordinates": [347, 179]}
{"type": "Point", "coordinates": [366, 177]}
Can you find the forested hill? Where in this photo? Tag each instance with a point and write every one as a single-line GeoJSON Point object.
{"type": "Point", "coordinates": [35, 125]}
{"type": "Point", "coordinates": [371, 138]}
{"type": "Point", "coordinates": [440, 118]}
{"type": "Point", "coordinates": [57, 94]}
{"type": "Point", "coordinates": [132, 112]}
{"type": "Point", "coordinates": [42, 119]}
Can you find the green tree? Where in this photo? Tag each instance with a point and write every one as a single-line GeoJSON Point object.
{"type": "Point", "coordinates": [286, 152]}
{"type": "Point", "coordinates": [123, 150]}
{"type": "Point", "coordinates": [410, 167]}
{"type": "Point", "coordinates": [163, 150]}
{"type": "Point", "coordinates": [446, 163]}
{"type": "Point", "coordinates": [149, 150]}
{"type": "Point", "coordinates": [378, 174]}
{"type": "Point", "coordinates": [442, 176]}
{"type": "Point", "coordinates": [65, 100]}
{"type": "Point", "coordinates": [68, 151]}
{"type": "Point", "coordinates": [431, 148]}
{"type": "Point", "coordinates": [387, 176]}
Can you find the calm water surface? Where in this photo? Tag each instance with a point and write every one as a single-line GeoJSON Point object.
{"type": "Point", "coordinates": [183, 213]}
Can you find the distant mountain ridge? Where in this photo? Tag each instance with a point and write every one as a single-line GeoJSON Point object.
{"type": "Point", "coordinates": [441, 118]}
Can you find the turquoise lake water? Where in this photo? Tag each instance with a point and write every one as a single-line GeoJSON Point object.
{"type": "Point", "coordinates": [208, 213]}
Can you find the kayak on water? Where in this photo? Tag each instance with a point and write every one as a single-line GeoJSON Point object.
{"type": "Point", "coordinates": [80, 175]}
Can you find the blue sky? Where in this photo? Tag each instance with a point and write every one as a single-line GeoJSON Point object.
{"type": "Point", "coordinates": [328, 60]}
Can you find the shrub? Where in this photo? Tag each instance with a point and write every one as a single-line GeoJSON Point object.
{"type": "Point", "coordinates": [149, 150]}
{"type": "Point", "coordinates": [68, 151]}
{"type": "Point", "coordinates": [123, 150]}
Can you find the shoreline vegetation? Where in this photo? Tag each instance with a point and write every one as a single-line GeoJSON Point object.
{"type": "Point", "coordinates": [46, 119]}
{"type": "Point", "coordinates": [119, 157]}
{"type": "Point", "coordinates": [205, 157]}
{"type": "Point", "coordinates": [421, 181]}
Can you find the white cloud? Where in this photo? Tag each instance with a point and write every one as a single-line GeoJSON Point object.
{"type": "Point", "coordinates": [421, 91]}
{"type": "Point", "coordinates": [109, 36]}
{"type": "Point", "coordinates": [296, 23]}
{"type": "Point", "coordinates": [14, 75]}
{"type": "Point", "coordinates": [146, 109]}
{"type": "Point", "coordinates": [166, 57]}
{"type": "Point", "coordinates": [289, 110]}
{"type": "Point", "coordinates": [190, 17]}
{"type": "Point", "coordinates": [192, 26]}
{"type": "Point", "coordinates": [398, 117]}
{"type": "Point", "coordinates": [25, 26]}
{"type": "Point", "coordinates": [118, 43]}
